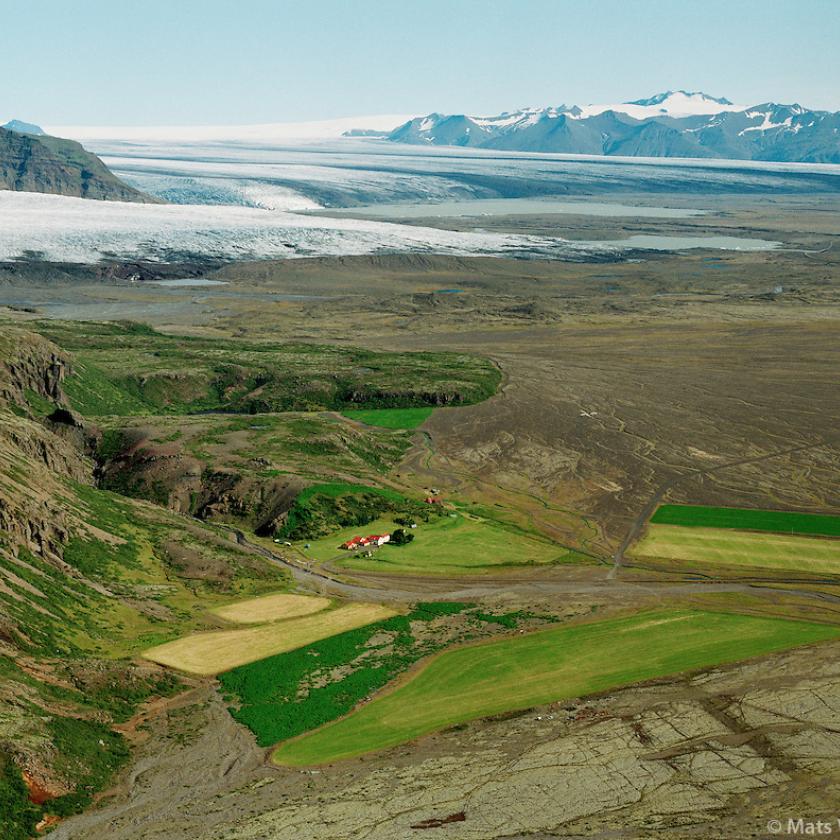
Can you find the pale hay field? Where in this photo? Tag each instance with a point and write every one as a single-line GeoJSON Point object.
{"type": "Point", "coordinates": [272, 608]}
{"type": "Point", "coordinates": [718, 546]}
{"type": "Point", "coordinates": [207, 654]}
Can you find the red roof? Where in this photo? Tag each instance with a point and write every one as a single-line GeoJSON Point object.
{"type": "Point", "coordinates": [361, 541]}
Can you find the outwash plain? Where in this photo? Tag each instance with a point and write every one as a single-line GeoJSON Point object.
{"type": "Point", "coordinates": [209, 448]}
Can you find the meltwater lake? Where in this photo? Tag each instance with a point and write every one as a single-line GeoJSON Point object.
{"type": "Point", "coordinates": [516, 206]}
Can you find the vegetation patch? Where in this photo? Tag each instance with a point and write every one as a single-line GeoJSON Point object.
{"type": "Point", "coordinates": [89, 753]}
{"type": "Point", "coordinates": [41, 406]}
{"type": "Point", "coordinates": [126, 369]}
{"type": "Point", "coordinates": [118, 688]}
{"type": "Point", "coordinates": [18, 816]}
{"type": "Point", "coordinates": [326, 508]}
{"type": "Point", "coordinates": [563, 662]}
{"type": "Point", "coordinates": [283, 696]}
{"type": "Point", "coordinates": [777, 521]}
{"type": "Point", "coordinates": [92, 393]}
{"type": "Point", "coordinates": [391, 418]}
{"type": "Point", "coordinates": [93, 557]}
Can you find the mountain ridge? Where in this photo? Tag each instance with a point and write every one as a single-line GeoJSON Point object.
{"type": "Point", "coordinates": [46, 164]}
{"type": "Point", "coordinates": [670, 124]}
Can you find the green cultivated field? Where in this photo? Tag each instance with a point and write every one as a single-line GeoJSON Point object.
{"type": "Point", "coordinates": [566, 662]}
{"type": "Point", "coordinates": [391, 418]}
{"type": "Point", "coordinates": [778, 521]}
{"type": "Point", "coordinates": [463, 545]}
{"type": "Point", "coordinates": [285, 695]}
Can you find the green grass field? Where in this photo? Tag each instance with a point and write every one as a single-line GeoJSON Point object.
{"type": "Point", "coordinates": [750, 549]}
{"type": "Point", "coordinates": [285, 695]}
{"type": "Point", "coordinates": [776, 521]}
{"type": "Point", "coordinates": [463, 545]}
{"type": "Point", "coordinates": [391, 418]}
{"type": "Point", "coordinates": [565, 662]}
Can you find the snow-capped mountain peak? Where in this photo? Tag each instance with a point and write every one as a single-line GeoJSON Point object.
{"type": "Point", "coordinates": [668, 95]}
{"type": "Point", "coordinates": [671, 103]}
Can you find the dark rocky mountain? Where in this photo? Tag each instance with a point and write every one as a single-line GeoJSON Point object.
{"type": "Point", "coordinates": [672, 124]}
{"type": "Point", "coordinates": [47, 164]}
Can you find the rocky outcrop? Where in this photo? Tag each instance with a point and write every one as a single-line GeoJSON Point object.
{"type": "Point", "coordinates": [29, 362]}
{"type": "Point", "coordinates": [262, 503]}
{"type": "Point", "coordinates": [32, 515]}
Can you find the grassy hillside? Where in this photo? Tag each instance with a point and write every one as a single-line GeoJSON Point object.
{"type": "Point", "coordinates": [326, 508]}
{"type": "Point", "coordinates": [128, 369]}
{"type": "Point", "coordinates": [88, 579]}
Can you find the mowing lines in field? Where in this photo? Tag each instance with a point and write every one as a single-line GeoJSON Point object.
{"type": "Point", "coordinates": [721, 546]}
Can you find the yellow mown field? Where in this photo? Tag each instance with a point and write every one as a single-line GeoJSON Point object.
{"type": "Point", "coordinates": [206, 654]}
{"type": "Point", "coordinates": [272, 608]}
{"type": "Point", "coordinates": [721, 546]}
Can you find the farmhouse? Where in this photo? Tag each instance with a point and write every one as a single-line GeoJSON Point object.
{"type": "Point", "coordinates": [363, 542]}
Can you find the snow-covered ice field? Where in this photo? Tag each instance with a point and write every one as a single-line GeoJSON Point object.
{"type": "Point", "coordinates": [63, 229]}
{"type": "Point", "coordinates": [247, 200]}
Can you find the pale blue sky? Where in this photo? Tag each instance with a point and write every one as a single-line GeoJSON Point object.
{"type": "Point", "coordinates": [240, 61]}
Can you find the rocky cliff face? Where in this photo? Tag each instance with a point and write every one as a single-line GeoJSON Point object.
{"type": "Point", "coordinates": [33, 456]}
{"type": "Point", "coordinates": [29, 362]}
{"type": "Point", "coordinates": [47, 164]}
{"type": "Point", "coordinates": [169, 476]}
